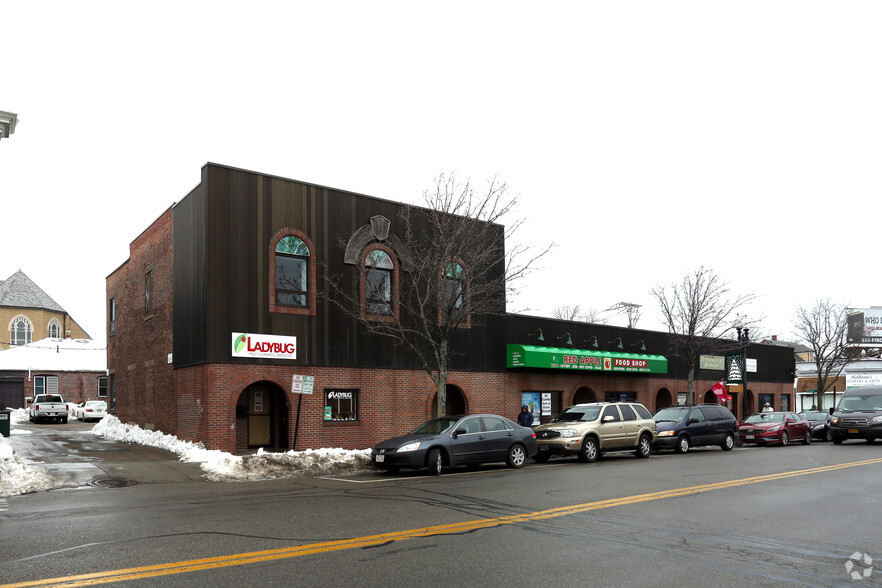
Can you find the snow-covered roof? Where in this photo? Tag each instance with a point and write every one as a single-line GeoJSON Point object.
{"type": "Point", "coordinates": [57, 355]}
{"type": "Point", "coordinates": [20, 291]}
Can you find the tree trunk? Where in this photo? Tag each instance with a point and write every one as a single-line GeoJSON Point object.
{"type": "Point", "coordinates": [441, 382]}
{"type": "Point", "coordinates": [690, 384]}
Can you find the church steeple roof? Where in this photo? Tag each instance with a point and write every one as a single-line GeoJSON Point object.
{"type": "Point", "coordinates": [20, 291]}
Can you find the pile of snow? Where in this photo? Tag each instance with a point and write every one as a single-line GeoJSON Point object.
{"type": "Point", "coordinates": [17, 477]}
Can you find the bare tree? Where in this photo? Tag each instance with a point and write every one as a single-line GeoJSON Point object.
{"type": "Point", "coordinates": [823, 329]}
{"type": "Point", "coordinates": [567, 312]}
{"type": "Point", "coordinates": [574, 312]}
{"type": "Point", "coordinates": [455, 269]}
{"type": "Point", "coordinates": [630, 310]}
{"type": "Point", "coordinates": [698, 311]}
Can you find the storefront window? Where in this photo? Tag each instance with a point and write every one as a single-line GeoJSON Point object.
{"type": "Point", "coordinates": [341, 405]}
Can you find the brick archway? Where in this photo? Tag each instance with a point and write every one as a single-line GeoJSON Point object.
{"type": "Point", "coordinates": [457, 403]}
{"type": "Point", "coordinates": [262, 412]}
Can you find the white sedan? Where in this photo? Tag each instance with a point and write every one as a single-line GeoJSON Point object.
{"type": "Point", "coordinates": [90, 410]}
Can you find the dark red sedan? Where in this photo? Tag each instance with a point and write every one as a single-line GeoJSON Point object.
{"type": "Point", "coordinates": [775, 428]}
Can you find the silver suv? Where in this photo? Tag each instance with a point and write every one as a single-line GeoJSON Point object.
{"type": "Point", "coordinates": [590, 430]}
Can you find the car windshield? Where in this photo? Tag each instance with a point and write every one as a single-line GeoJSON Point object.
{"type": "Point", "coordinates": [765, 417]}
{"type": "Point", "coordinates": [435, 426]}
{"type": "Point", "coordinates": [673, 414]}
{"type": "Point", "coordinates": [873, 403]}
{"type": "Point", "coordinates": [814, 416]}
{"type": "Point", "coordinates": [575, 414]}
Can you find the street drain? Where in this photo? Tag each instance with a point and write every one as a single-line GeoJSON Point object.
{"type": "Point", "coordinates": [113, 482]}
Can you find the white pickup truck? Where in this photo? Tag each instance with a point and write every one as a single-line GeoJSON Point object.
{"type": "Point", "coordinates": [48, 406]}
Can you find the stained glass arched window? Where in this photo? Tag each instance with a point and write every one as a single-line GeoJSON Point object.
{"type": "Point", "coordinates": [378, 282]}
{"type": "Point", "coordinates": [292, 271]}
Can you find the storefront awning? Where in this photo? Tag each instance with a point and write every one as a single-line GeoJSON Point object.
{"type": "Point", "coordinates": [518, 356]}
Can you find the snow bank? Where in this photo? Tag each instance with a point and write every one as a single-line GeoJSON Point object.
{"type": "Point", "coordinates": [17, 477]}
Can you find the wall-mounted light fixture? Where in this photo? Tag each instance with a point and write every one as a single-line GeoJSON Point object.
{"type": "Point", "coordinates": [592, 341]}
{"type": "Point", "coordinates": [537, 333]}
{"type": "Point", "coordinates": [566, 338]}
{"type": "Point", "coordinates": [617, 343]}
{"type": "Point", "coordinates": [641, 344]}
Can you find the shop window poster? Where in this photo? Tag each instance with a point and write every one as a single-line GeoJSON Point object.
{"type": "Point", "coordinates": [534, 401]}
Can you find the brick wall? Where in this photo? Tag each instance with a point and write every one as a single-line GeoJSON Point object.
{"type": "Point", "coordinates": [139, 346]}
{"type": "Point", "coordinates": [390, 402]}
{"type": "Point", "coordinates": [73, 386]}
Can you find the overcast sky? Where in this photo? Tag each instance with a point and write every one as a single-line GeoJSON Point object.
{"type": "Point", "coordinates": [646, 139]}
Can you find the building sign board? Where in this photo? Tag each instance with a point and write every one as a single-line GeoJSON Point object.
{"type": "Point", "coordinates": [712, 362]}
{"type": "Point", "coordinates": [858, 380]}
{"type": "Point", "coordinates": [865, 327]}
{"type": "Point", "coordinates": [264, 346]}
{"type": "Point", "coordinates": [582, 359]}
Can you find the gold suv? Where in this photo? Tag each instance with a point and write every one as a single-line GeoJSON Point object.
{"type": "Point", "coordinates": [590, 430]}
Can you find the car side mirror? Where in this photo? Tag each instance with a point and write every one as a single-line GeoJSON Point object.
{"type": "Point", "coordinates": [459, 432]}
{"type": "Point", "coordinates": [831, 410]}
{"type": "Point", "coordinates": [693, 420]}
{"type": "Point", "coordinates": [609, 418]}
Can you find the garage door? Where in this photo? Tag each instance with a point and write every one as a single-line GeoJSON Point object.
{"type": "Point", "coordinates": [12, 394]}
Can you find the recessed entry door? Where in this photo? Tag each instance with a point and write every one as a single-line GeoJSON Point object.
{"type": "Point", "coordinates": [258, 417]}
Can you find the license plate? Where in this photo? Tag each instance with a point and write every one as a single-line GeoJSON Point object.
{"type": "Point", "coordinates": [748, 436]}
{"type": "Point", "coordinates": [380, 458]}
{"type": "Point", "coordinates": [853, 431]}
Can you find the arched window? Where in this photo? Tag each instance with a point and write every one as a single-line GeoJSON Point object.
{"type": "Point", "coordinates": [20, 330]}
{"type": "Point", "coordinates": [292, 272]}
{"type": "Point", "coordinates": [55, 329]}
{"type": "Point", "coordinates": [452, 289]}
{"type": "Point", "coordinates": [378, 272]}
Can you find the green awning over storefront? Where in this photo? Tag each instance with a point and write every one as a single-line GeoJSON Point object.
{"type": "Point", "coordinates": [581, 359]}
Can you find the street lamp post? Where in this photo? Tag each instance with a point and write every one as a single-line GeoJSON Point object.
{"type": "Point", "coordinates": [743, 341]}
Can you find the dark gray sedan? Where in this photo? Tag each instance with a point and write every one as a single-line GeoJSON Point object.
{"type": "Point", "coordinates": [457, 440]}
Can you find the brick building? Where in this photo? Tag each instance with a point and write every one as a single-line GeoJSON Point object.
{"type": "Point", "coordinates": [218, 320]}
{"type": "Point", "coordinates": [74, 368]}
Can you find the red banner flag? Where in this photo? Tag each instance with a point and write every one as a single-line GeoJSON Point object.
{"type": "Point", "coordinates": [720, 390]}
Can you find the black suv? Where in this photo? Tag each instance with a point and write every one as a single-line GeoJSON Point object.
{"type": "Point", "coordinates": [858, 415]}
{"type": "Point", "coordinates": [682, 427]}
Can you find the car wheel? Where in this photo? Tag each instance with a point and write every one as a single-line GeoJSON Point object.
{"type": "Point", "coordinates": [392, 470]}
{"type": "Point", "coordinates": [837, 440]}
{"type": "Point", "coordinates": [31, 417]}
{"type": "Point", "coordinates": [871, 439]}
{"type": "Point", "coordinates": [807, 440]}
{"type": "Point", "coordinates": [63, 420]}
{"type": "Point", "coordinates": [682, 444]}
{"type": "Point", "coordinates": [589, 451]}
{"type": "Point", "coordinates": [542, 457]}
{"type": "Point", "coordinates": [728, 442]}
{"type": "Point", "coordinates": [644, 447]}
{"type": "Point", "coordinates": [828, 435]}
{"type": "Point", "coordinates": [435, 461]}
{"type": "Point", "coordinates": [785, 438]}
{"type": "Point", "coordinates": [517, 455]}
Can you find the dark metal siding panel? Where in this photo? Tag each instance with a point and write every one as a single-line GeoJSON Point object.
{"type": "Point", "coordinates": [242, 212]}
{"type": "Point", "coordinates": [188, 246]}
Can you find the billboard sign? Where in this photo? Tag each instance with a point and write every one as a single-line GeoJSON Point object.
{"type": "Point", "coordinates": [865, 327]}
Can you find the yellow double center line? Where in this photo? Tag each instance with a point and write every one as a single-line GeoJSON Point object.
{"type": "Point", "coordinates": [373, 540]}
